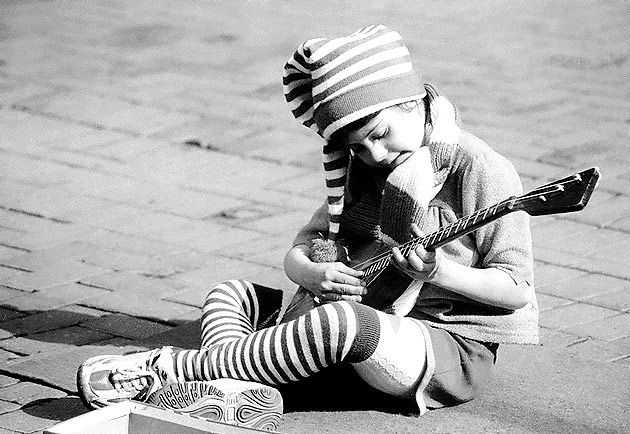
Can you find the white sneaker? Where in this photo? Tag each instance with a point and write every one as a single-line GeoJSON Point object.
{"type": "Point", "coordinates": [106, 380]}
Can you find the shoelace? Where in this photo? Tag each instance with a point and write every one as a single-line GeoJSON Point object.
{"type": "Point", "coordinates": [136, 379]}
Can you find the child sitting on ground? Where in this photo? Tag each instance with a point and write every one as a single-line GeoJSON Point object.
{"type": "Point", "coordinates": [397, 165]}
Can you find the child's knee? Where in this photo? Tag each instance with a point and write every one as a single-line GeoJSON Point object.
{"type": "Point", "coordinates": [399, 361]}
{"type": "Point", "coordinates": [229, 290]}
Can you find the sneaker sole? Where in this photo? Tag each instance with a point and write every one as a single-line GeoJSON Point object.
{"type": "Point", "coordinates": [258, 408]}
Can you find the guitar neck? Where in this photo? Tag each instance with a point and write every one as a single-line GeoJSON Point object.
{"type": "Point", "coordinates": [461, 227]}
{"type": "Point", "coordinates": [447, 233]}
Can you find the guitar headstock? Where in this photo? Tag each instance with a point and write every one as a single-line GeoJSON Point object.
{"type": "Point", "coordinates": [564, 195]}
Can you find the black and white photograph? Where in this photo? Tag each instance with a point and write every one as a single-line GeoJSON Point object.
{"type": "Point", "coordinates": [344, 217]}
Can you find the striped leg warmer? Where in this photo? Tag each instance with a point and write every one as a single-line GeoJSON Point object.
{"type": "Point", "coordinates": [279, 354]}
{"type": "Point", "coordinates": [230, 312]}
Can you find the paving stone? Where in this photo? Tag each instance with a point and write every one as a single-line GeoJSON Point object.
{"type": "Point", "coordinates": [606, 211]}
{"type": "Point", "coordinates": [36, 239]}
{"type": "Point", "coordinates": [41, 322]}
{"type": "Point", "coordinates": [134, 263]}
{"type": "Point", "coordinates": [55, 202]}
{"type": "Point", "coordinates": [64, 272]}
{"type": "Point", "coordinates": [121, 148]}
{"type": "Point", "coordinates": [604, 266]}
{"type": "Point", "coordinates": [130, 284]}
{"type": "Point", "coordinates": [551, 274]}
{"type": "Point", "coordinates": [546, 302]}
{"type": "Point", "coordinates": [142, 307]}
{"type": "Point", "coordinates": [6, 274]}
{"type": "Point", "coordinates": [216, 132]}
{"type": "Point", "coordinates": [125, 326]}
{"type": "Point", "coordinates": [606, 329]}
{"type": "Point", "coordinates": [582, 263]}
{"type": "Point", "coordinates": [621, 224]}
{"type": "Point", "coordinates": [24, 392]}
{"type": "Point", "coordinates": [586, 286]}
{"type": "Point", "coordinates": [291, 221]}
{"type": "Point", "coordinates": [9, 314]}
{"type": "Point", "coordinates": [51, 412]}
{"type": "Point", "coordinates": [558, 231]}
{"type": "Point", "coordinates": [196, 204]}
{"type": "Point", "coordinates": [31, 130]}
{"type": "Point", "coordinates": [616, 252]}
{"type": "Point", "coordinates": [187, 335]}
{"type": "Point", "coordinates": [246, 213]}
{"type": "Point", "coordinates": [72, 293]}
{"type": "Point", "coordinates": [198, 282]}
{"type": "Point", "coordinates": [616, 300]}
{"type": "Point", "coordinates": [598, 350]}
{"type": "Point", "coordinates": [34, 302]}
{"type": "Point", "coordinates": [46, 258]}
{"type": "Point", "coordinates": [557, 339]}
{"type": "Point", "coordinates": [269, 250]}
{"type": "Point", "coordinates": [588, 242]}
{"type": "Point", "coordinates": [23, 421]}
{"type": "Point", "coordinates": [103, 110]}
{"type": "Point", "coordinates": [7, 407]}
{"type": "Point", "coordinates": [7, 381]}
{"type": "Point", "coordinates": [132, 243]}
{"type": "Point", "coordinates": [53, 341]}
{"type": "Point", "coordinates": [59, 369]}
{"type": "Point", "coordinates": [7, 356]}
{"type": "Point", "coordinates": [575, 314]}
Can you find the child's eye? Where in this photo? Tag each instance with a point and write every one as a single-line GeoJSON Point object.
{"type": "Point", "coordinates": [380, 135]}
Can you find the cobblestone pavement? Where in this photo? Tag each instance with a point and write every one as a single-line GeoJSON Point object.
{"type": "Point", "coordinates": [146, 153]}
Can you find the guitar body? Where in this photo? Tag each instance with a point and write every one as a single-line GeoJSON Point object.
{"type": "Point", "coordinates": [383, 287]}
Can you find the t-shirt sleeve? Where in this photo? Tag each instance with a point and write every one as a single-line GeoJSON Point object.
{"type": "Point", "coordinates": [505, 243]}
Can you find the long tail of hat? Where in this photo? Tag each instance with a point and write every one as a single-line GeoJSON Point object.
{"type": "Point", "coordinates": [336, 159]}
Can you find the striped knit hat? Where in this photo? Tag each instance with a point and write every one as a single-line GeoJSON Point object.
{"type": "Point", "coordinates": [329, 83]}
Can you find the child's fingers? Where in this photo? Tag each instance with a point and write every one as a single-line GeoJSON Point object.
{"type": "Point", "coordinates": [399, 258]}
{"type": "Point", "coordinates": [348, 289]}
{"type": "Point", "coordinates": [348, 279]}
{"type": "Point", "coordinates": [425, 255]}
{"type": "Point", "coordinates": [356, 298]}
{"type": "Point", "coordinates": [415, 230]}
{"type": "Point", "coordinates": [418, 263]}
{"type": "Point", "coordinates": [350, 271]}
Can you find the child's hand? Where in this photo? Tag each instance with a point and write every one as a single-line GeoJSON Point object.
{"type": "Point", "coordinates": [421, 264]}
{"type": "Point", "coordinates": [334, 281]}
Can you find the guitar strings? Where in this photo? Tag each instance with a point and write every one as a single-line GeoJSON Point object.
{"type": "Point", "coordinates": [532, 195]}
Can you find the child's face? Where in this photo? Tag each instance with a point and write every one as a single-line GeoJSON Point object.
{"type": "Point", "coordinates": [389, 138]}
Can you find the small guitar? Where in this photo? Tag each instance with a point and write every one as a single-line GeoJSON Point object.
{"type": "Point", "coordinates": [385, 283]}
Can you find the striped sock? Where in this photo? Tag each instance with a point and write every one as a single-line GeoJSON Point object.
{"type": "Point", "coordinates": [283, 353]}
{"type": "Point", "coordinates": [230, 312]}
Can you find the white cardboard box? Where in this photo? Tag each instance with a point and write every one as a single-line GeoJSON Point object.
{"type": "Point", "coordinates": [136, 418]}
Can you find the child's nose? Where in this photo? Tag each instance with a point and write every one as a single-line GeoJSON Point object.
{"type": "Point", "coordinates": [377, 151]}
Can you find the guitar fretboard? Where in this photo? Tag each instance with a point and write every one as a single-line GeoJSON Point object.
{"type": "Point", "coordinates": [445, 234]}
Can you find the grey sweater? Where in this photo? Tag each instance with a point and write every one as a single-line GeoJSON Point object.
{"type": "Point", "coordinates": [473, 177]}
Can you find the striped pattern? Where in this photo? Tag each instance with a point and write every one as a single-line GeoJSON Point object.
{"type": "Point", "coordinates": [276, 355]}
{"type": "Point", "coordinates": [230, 311]}
{"type": "Point", "coordinates": [330, 83]}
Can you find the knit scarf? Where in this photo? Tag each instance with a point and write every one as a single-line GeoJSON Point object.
{"type": "Point", "coordinates": [410, 187]}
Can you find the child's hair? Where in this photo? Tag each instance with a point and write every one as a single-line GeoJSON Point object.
{"type": "Point", "coordinates": [340, 136]}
